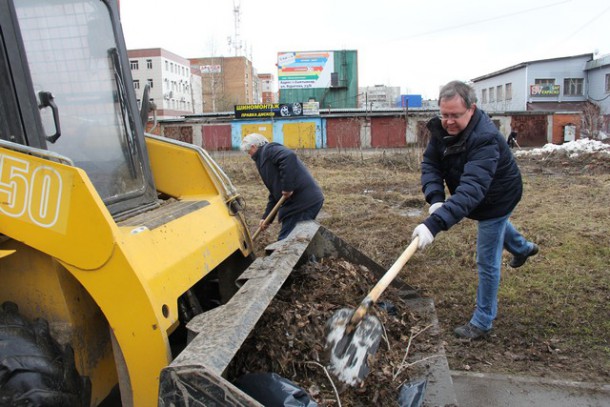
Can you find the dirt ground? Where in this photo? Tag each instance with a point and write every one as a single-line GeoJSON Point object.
{"type": "Point", "coordinates": [553, 312]}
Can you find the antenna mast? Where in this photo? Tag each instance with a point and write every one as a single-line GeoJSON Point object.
{"type": "Point", "coordinates": [235, 42]}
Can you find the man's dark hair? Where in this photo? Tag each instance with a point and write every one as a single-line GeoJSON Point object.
{"type": "Point", "coordinates": [458, 88]}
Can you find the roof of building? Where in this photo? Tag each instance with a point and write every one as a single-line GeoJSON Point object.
{"type": "Point", "coordinates": [598, 63]}
{"type": "Point", "coordinates": [155, 52]}
{"type": "Point", "coordinates": [524, 64]}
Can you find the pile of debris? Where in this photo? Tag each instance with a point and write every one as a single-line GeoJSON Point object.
{"type": "Point", "coordinates": [289, 339]}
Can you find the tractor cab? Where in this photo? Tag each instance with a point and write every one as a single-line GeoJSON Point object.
{"type": "Point", "coordinates": [71, 94]}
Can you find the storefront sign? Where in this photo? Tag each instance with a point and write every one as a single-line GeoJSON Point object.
{"type": "Point", "coordinates": [268, 110]}
{"type": "Point", "coordinates": [544, 90]}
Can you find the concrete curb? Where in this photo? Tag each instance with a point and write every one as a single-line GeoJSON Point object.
{"type": "Point", "coordinates": [491, 389]}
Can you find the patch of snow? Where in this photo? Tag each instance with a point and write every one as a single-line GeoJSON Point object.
{"type": "Point", "coordinates": [571, 148]}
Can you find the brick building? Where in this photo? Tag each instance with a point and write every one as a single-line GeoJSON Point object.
{"type": "Point", "coordinates": [226, 81]}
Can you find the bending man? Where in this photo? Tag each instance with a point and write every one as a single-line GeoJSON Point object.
{"type": "Point", "coordinates": [284, 174]}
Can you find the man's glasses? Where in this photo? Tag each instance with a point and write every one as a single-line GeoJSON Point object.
{"type": "Point", "coordinates": [452, 116]}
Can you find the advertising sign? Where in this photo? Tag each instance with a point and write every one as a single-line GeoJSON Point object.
{"type": "Point", "coordinates": [268, 110]}
{"type": "Point", "coordinates": [311, 108]}
{"type": "Point", "coordinates": [544, 90]}
{"type": "Point", "coordinates": [305, 70]}
{"type": "Point", "coordinates": [210, 68]}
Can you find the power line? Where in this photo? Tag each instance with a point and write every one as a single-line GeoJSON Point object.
{"type": "Point", "coordinates": [586, 24]}
{"type": "Point", "coordinates": [483, 21]}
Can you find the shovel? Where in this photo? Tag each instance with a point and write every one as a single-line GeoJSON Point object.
{"type": "Point", "coordinates": [353, 336]}
{"type": "Point", "coordinates": [270, 216]}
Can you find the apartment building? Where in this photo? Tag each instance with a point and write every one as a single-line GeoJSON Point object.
{"type": "Point", "coordinates": [268, 93]}
{"type": "Point", "coordinates": [379, 97]}
{"type": "Point", "coordinates": [170, 79]}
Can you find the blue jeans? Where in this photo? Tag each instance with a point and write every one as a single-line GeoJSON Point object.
{"type": "Point", "coordinates": [289, 222]}
{"type": "Point", "coordinates": [494, 235]}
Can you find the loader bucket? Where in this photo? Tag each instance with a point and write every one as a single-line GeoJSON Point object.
{"type": "Point", "coordinates": [195, 376]}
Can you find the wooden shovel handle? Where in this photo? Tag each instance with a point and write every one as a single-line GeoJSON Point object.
{"type": "Point", "coordinates": [270, 216]}
{"type": "Point", "coordinates": [382, 284]}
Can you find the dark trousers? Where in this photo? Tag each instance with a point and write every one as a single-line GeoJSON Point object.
{"type": "Point", "coordinates": [289, 222]}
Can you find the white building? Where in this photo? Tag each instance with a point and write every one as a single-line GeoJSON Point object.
{"type": "Point", "coordinates": [379, 97]}
{"type": "Point", "coordinates": [169, 77]}
{"type": "Point", "coordinates": [548, 84]}
{"type": "Point", "coordinates": [197, 90]}
{"type": "Point", "coordinates": [598, 75]}
{"type": "Point", "coordinates": [576, 83]}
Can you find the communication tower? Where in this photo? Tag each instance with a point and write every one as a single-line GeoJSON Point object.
{"type": "Point", "coordinates": [235, 41]}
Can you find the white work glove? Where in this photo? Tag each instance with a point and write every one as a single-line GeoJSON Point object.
{"type": "Point", "coordinates": [434, 207]}
{"type": "Point", "coordinates": [424, 234]}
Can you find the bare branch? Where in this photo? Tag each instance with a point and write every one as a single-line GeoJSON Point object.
{"type": "Point", "coordinates": [402, 364]}
{"type": "Point", "coordinates": [329, 379]}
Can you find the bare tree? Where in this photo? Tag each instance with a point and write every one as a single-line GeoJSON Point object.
{"type": "Point", "coordinates": [591, 120]}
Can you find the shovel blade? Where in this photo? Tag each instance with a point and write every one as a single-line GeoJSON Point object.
{"type": "Point", "coordinates": [350, 354]}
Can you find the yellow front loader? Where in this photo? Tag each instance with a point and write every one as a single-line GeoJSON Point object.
{"type": "Point", "coordinates": [110, 241]}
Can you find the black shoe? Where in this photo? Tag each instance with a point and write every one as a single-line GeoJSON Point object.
{"type": "Point", "coordinates": [470, 331]}
{"type": "Point", "coordinates": [518, 261]}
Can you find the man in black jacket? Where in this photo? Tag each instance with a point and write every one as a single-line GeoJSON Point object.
{"type": "Point", "coordinates": [284, 175]}
{"type": "Point", "coordinates": [470, 156]}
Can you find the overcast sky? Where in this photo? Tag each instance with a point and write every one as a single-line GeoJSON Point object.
{"type": "Point", "coordinates": [417, 45]}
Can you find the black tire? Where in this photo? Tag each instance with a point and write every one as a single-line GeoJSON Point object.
{"type": "Point", "coordinates": [34, 369]}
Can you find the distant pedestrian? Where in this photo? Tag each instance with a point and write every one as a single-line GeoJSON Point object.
{"type": "Point", "coordinates": [512, 140]}
{"type": "Point", "coordinates": [468, 155]}
{"type": "Point", "coordinates": [284, 174]}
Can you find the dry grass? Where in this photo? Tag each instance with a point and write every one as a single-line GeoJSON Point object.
{"type": "Point", "coordinates": [553, 312]}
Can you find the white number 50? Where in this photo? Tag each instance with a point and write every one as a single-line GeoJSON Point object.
{"type": "Point", "coordinates": [35, 194]}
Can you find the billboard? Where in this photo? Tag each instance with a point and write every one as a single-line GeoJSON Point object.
{"type": "Point", "coordinates": [264, 110]}
{"type": "Point", "coordinates": [305, 70]}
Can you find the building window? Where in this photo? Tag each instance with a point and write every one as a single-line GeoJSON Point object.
{"type": "Point", "coordinates": [150, 82]}
{"type": "Point", "coordinates": [544, 81]}
{"type": "Point", "coordinates": [492, 97]}
{"type": "Point", "coordinates": [149, 63]}
{"type": "Point", "coordinates": [508, 88]}
{"type": "Point", "coordinates": [573, 86]}
{"type": "Point", "coordinates": [136, 84]}
{"type": "Point", "coordinates": [166, 65]}
{"type": "Point", "coordinates": [608, 83]}
{"type": "Point", "coordinates": [133, 65]}
{"type": "Point", "coordinates": [499, 93]}
{"type": "Point", "coordinates": [484, 96]}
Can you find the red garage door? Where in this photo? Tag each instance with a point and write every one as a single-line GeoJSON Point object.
{"type": "Point", "coordinates": [216, 137]}
{"type": "Point", "coordinates": [531, 130]}
{"type": "Point", "coordinates": [343, 133]}
{"type": "Point", "coordinates": [182, 133]}
{"type": "Point", "coordinates": [388, 132]}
